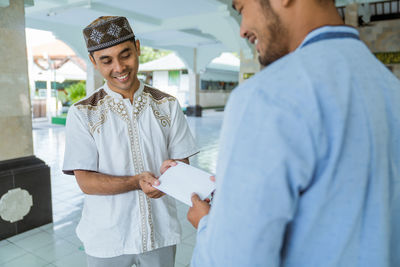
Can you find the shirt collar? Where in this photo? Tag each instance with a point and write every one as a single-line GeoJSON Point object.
{"type": "Point", "coordinates": [324, 29]}
{"type": "Point", "coordinates": [119, 96]}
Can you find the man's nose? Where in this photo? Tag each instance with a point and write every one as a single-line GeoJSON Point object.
{"type": "Point", "coordinates": [118, 67]}
{"type": "Point", "coordinates": [243, 31]}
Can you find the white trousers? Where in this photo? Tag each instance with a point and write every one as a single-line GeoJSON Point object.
{"type": "Point", "coordinates": [162, 257]}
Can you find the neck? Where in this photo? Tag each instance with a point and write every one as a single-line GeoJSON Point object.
{"type": "Point", "coordinates": [129, 93]}
{"type": "Point", "coordinates": [309, 17]}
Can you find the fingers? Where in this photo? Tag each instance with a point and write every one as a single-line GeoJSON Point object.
{"type": "Point", "coordinates": [150, 178]}
{"type": "Point", "coordinates": [150, 191]}
{"type": "Point", "coordinates": [198, 210]}
{"type": "Point", "coordinates": [147, 181]}
{"type": "Point", "coordinates": [167, 164]}
{"type": "Point", "coordinates": [155, 194]}
{"type": "Point", "coordinates": [195, 198]}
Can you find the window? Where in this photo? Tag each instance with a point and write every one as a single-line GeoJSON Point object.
{"type": "Point", "coordinates": [173, 78]}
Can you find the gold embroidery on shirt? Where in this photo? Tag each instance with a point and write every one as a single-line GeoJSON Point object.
{"type": "Point", "coordinates": [94, 126]}
{"type": "Point", "coordinates": [118, 107]}
{"type": "Point", "coordinates": [94, 99]}
{"type": "Point", "coordinates": [164, 119]}
{"type": "Point", "coordinates": [94, 110]}
{"type": "Point", "coordinates": [157, 96]}
{"type": "Point", "coordinates": [139, 104]}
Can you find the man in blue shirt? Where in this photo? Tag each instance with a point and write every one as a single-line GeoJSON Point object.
{"type": "Point", "coordinates": [309, 165]}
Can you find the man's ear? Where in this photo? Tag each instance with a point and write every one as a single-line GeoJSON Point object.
{"type": "Point", "coordinates": [137, 42]}
{"type": "Point", "coordinates": [93, 61]}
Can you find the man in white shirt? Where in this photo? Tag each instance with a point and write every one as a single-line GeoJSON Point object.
{"type": "Point", "coordinates": [116, 140]}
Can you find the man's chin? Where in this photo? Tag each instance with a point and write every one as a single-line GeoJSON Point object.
{"type": "Point", "coordinates": [268, 60]}
{"type": "Point", "coordinates": [263, 61]}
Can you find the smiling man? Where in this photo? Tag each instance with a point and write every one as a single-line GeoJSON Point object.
{"type": "Point", "coordinates": [309, 164]}
{"type": "Point", "coordinates": [116, 141]}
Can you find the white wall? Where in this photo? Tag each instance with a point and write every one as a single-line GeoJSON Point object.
{"type": "Point", "coordinates": [213, 98]}
{"type": "Point", "coordinates": [207, 98]}
{"type": "Point", "coordinates": [160, 81]}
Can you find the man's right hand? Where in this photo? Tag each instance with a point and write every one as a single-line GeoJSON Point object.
{"type": "Point", "coordinates": [146, 182]}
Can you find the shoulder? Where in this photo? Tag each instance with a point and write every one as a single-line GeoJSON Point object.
{"type": "Point", "coordinates": [93, 100]}
{"type": "Point", "coordinates": [283, 86]}
{"type": "Point", "coordinates": [158, 96]}
{"type": "Point", "coordinates": [279, 80]}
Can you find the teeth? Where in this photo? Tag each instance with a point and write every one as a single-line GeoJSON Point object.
{"type": "Point", "coordinates": [122, 77]}
{"type": "Point", "coordinates": [256, 42]}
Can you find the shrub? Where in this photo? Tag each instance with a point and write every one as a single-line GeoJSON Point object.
{"type": "Point", "coordinates": [76, 92]}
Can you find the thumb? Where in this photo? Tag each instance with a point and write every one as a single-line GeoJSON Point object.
{"type": "Point", "coordinates": [195, 198]}
{"type": "Point", "coordinates": [151, 179]}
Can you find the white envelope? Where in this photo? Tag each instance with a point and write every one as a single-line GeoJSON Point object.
{"type": "Point", "coordinates": [182, 180]}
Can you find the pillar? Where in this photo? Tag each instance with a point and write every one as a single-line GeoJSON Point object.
{"type": "Point", "coordinates": [194, 109]}
{"type": "Point", "coordinates": [248, 66]}
{"type": "Point", "coordinates": [25, 192]}
{"type": "Point", "coordinates": [351, 15]}
{"type": "Point", "coordinates": [93, 78]}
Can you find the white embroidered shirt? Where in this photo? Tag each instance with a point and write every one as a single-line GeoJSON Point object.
{"type": "Point", "coordinates": [108, 134]}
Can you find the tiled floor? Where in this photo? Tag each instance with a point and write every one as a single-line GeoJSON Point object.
{"type": "Point", "coordinates": [56, 244]}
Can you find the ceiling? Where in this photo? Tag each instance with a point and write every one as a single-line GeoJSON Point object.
{"type": "Point", "coordinates": [197, 30]}
{"type": "Point", "coordinates": [208, 27]}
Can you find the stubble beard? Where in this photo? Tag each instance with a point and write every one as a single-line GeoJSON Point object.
{"type": "Point", "coordinates": [276, 47]}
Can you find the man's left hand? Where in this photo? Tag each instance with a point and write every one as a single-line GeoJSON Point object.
{"type": "Point", "coordinates": [199, 209]}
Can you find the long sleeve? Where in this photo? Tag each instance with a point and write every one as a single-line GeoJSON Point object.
{"type": "Point", "coordinates": [266, 161]}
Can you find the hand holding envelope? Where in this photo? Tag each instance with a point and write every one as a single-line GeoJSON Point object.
{"type": "Point", "coordinates": [182, 180]}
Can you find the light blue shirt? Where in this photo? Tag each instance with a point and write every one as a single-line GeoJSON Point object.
{"type": "Point", "coordinates": [309, 165]}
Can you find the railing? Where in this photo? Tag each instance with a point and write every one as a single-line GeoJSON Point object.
{"type": "Point", "coordinates": [385, 10]}
{"type": "Point", "coordinates": [377, 11]}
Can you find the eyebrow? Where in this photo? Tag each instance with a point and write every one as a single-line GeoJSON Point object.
{"type": "Point", "coordinates": [125, 50]}
{"type": "Point", "coordinates": [104, 57]}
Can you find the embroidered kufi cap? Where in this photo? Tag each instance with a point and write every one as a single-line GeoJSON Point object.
{"type": "Point", "coordinates": [107, 31]}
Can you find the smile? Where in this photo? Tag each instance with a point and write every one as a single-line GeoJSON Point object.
{"type": "Point", "coordinates": [122, 78]}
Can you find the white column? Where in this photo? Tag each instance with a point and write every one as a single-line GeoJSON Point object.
{"type": "Point", "coordinates": [32, 84]}
{"type": "Point", "coordinates": [248, 66]}
{"type": "Point", "coordinates": [194, 82]}
{"type": "Point", "coordinates": [49, 104]}
{"type": "Point", "coordinates": [93, 78]}
{"type": "Point", "coordinates": [15, 104]}
{"type": "Point", "coordinates": [194, 108]}
{"type": "Point", "coordinates": [351, 15]}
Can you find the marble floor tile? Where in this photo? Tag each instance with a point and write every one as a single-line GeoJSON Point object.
{"type": "Point", "coordinates": [26, 260]}
{"type": "Point", "coordinates": [9, 252]}
{"type": "Point", "coordinates": [56, 244]}
{"type": "Point", "coordinates": [56, 251]}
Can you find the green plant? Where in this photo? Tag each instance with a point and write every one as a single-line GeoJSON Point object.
{"type": "Point", "coordinates": [62, 96]}
{"type": "Point", "coordinates": [76, 92]}
{"type": "Point", "coordinates": [148, 54]}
